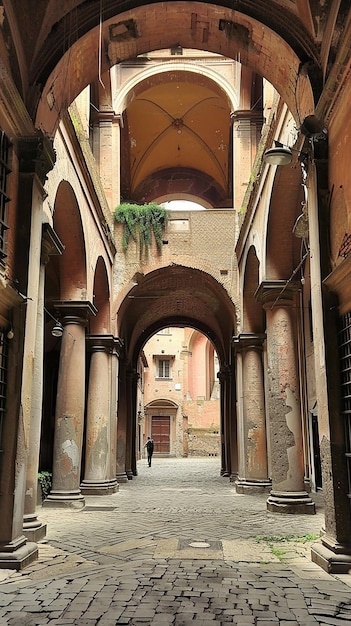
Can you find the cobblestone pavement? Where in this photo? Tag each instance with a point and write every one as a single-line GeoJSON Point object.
{"type": "Point", "coordinates": [176, 546]}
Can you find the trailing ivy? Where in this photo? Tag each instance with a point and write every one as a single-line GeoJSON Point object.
{"type": "Point", "coordinates": [143, 220]}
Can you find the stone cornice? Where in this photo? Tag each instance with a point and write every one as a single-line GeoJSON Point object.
{"type": "Point", "coordinates": [272, 292]}
{"type": "Point", "coordinates": [77, 308]}
{"type": "Point", "coordinates": [247, 115]}
{"type": "Point", "coordinates": [106, 343]}
{"type": "Point", "coordinates": [36, 155]}
{"type": "Point", "coordinates": [245, 341]}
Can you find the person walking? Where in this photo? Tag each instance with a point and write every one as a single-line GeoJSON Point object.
{"type": "Point", "coordinates": [149, 449]}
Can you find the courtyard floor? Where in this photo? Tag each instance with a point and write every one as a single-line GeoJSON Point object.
{"type": "Point", "coordinates": [176, 546]}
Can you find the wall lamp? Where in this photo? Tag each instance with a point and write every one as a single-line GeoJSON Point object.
{"type": "Point", "coordinates": [57, 330]}
{"type": "Point", "coordinates": [281, 154]}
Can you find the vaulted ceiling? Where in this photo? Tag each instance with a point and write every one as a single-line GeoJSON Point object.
{"type": "Point", "coordinates": [176, 139]}
{"type": "Point", "coordinates": [57, 48]}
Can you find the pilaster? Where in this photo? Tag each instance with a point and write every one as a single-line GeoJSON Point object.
{"type": "Point", "coordinates": [33, 528]}
{"type": "Point", "coordinates": [247, 126]}
{"type": "Point", "coordinates": [109, 149]}
{"type": "Point", "coordinates": [330, 297]}
{"type": "Point", "coordinates": [35, 157]}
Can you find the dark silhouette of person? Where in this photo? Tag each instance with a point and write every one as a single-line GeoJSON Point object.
{"type": "Point", "coordinates": [149, 449]}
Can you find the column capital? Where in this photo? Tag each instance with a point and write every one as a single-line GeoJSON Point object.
{"type": "Point", "coordinates": [50, 243]}
{"type": "Point", "coordinates": [36, 155]}
{"type": "Point", "coordinates": [104, 343]}
{"type": "Point", "coordinates": [108, 116]}
{"type": "Point", "coordinates": [272, 292]}
{"type": "Point", "coordinates": [246, 114]}
{"type": "Point", "coordinates": [72, 310]}
{"type": "Point", "coordinates": [246, 341]}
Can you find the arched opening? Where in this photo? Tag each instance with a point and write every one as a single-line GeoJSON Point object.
{"type": "Point", "coordinates": [233, 34]}
{"type": "Point", "coordinates": [172, 302]}
{"type": "Point", "coordinates": [179, 379]}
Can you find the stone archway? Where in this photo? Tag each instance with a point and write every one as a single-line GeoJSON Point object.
{"type": "Point", "coordinates": [179, 296]}
{"type": "Point", "coordinates": [256, 37]}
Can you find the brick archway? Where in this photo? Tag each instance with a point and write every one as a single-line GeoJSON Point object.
{"type": "Point", "coordinates": [258, 37]}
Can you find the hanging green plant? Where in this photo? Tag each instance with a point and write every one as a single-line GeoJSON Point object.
{"type": "Point", "coordinates": [44, 479]}
{"type": "Point", "coordinates": [142, 219]}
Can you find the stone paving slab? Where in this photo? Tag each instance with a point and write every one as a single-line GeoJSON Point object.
{"type": "Point", "coordinates": [176, 546]}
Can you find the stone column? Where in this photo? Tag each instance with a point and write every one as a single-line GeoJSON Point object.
{"type": "Point", "coordinates": [224, 376]}
{"type": "Point", "coordinates": [131, 423]}
{"type": "Point", "coordinates": [32, 527]}
{"type": "Point", "coordinates": [97, 477]}
{"type": "Point", "coordinates": [233, 424]}
{"type": "Point", "coordinates": [121, 473]}
{"type": "Point", "coordinates": [114, 374]}
{"type": "Point", "coordinates": [34, 157]}
{"type": "Point", "coordinates": [70, 405]}
{"type": "Point", "coordinates": [288, 494]}
{"type": "Point", "coordinates": [253, 468]}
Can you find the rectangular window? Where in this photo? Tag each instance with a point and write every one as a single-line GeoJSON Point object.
{"type": "Point", "coordinates": [4, 172]}
{"type": "Point", "coordinates": [164, 368]}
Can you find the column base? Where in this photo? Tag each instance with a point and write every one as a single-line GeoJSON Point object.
{"type": "Point", "coordinates": [242, 485]}
{"type": "Point", "coordinates": [294, 502]}
{"type": "Point", "coordinates": [18, 554]}
{"type": "Point", "coordinates": [99, 487]}
{"type": "Point", "coordinates": [332, 557]}
{"type": "Point", "coordinates": [65, 500]}
{"type": "Point", "coordinates": [122, 478]}
{"type": "Point", "coordinates": [33, 529]}
{"type": "Point", "coordinates": [129, 474]}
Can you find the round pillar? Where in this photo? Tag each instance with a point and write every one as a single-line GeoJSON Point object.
{"type": "Point", "coordinates": [288, 494]}
{"type": "Point", "coordinates": [253, 476]}
{"type": "Point", "coordinates": [97, 478]}
{"type": "Point", "coordinates": [121, 473]}
{"type": "Point", "coordinates": [224, 376]}
{"type": "Point", "coordinates": [69, 418]}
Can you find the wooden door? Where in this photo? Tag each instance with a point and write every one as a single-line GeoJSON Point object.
{"type": "Point", "coordinates": [160, 433]}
